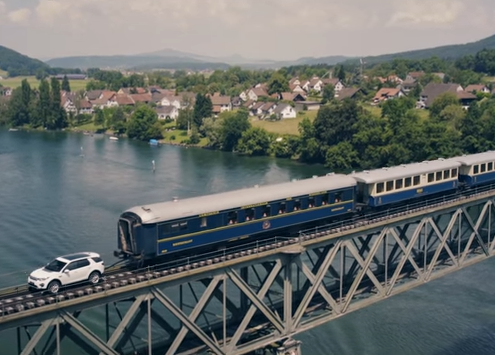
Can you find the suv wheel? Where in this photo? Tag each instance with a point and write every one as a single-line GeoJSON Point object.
{"type": "Point", "coordinates": [94, 277]}
{"type": "Point", "coordinates": [54, 286]}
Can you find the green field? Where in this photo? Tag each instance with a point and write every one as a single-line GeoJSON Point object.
{"type": "Point", "coordinates": [75, 85]}
{"type": "Point", "coordinates": [3, 73]}
{"type": "Point", "coordinates": [287, 126]}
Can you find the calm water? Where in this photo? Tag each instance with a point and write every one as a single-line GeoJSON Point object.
{"type": "Point", "coordinates": [62, 193]}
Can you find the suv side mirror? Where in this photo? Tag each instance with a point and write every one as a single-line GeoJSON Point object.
{"type": "Point", "coordinates": [66, 271]}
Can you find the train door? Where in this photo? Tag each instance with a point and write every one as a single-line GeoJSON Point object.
{"type": "Point", "coordinates": [126, 235]}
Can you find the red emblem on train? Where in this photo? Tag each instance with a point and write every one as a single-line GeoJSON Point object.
{"type": "Point", "coordinates": [266, 224]}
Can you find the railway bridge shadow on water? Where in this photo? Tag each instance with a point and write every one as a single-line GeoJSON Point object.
{"type": "Point", "coordinates": [254, 299]}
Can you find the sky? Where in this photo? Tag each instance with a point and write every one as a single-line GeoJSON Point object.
{"type": "Point", "coordinates": [257, 29]}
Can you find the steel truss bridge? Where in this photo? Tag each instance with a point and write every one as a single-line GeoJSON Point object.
{"type": "Point", "coordinates": [257, 298]}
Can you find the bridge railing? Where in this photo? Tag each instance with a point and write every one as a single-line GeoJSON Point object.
{"type": "Point", "coordinates": [400, 210]}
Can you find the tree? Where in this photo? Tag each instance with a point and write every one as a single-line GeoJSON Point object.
{"type": "Point", "coordinates": [99, 117]}
{"type": "Point", "coordinates": [254, 141]}
{"type": "Point", "coordinates": [233, 125]}
{"type": "Point", "coordinates": [58, 115]}
{"type": "Point", "coordinates": [19, 107]}
{"type": "Point", "coordinates": [277, 84]}
{"type": "Point", "coordinates": [340, 73]}
{"type": "Point", "coordinates": [143, 124]}
{"type": "Point", "coordinates": [328, 94]}
{"type": "Point", "coordinates": [185, 119]}
{"type": "Point", "coordinates": [203, 108]}
{"type": "Point", "coordinates": [65, 84]}
{"type": "Point", "coordinates": [43, 107]}
{"type": "Point", "coordinates": [441, 102]}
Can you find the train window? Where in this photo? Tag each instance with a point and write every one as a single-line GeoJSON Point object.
{"type": "Point", "coordinates": [311, 202]}
{"type": "Point", "coordinates": [390, 185]}
{"type": "Point", "coordinates": [439, 176]}
{"type": "Point", "coordinates": [483, 168]}
{"type": "Point", "coordinates": [476, 169]}
{"type": "Point", "coordinates": [338, 197]}
{"type": "Point", "coordinates": [489, 166]}
{"type": "Point", "coordinates": [164, 228]}
{"type": "Point", "coordinates": [203, 222]}
{"type": "Point", "coordinates": [324, 199]}
{"type": "Point", "coordinates": [398, 184]}
{"type": "Point", "coordinates": [232, 217]}
{"type": "Point", "coordinates": [249, 212]}
{"type": "Point", "coordinates": [431, 177]}
{"type": "Point", "coordinates": [416, 180]}
{"type": "Point", "coordinates": [266, 211]}
{"type": "Point", "coordinates": [454, 173]}
{"type": "Point", "coordinates": [174, 227]}
{"type": "Point", "coordinates": [380, 187]}
{"type": "Point", "coordinates": [446, 174]}
{"type": "Point", "coordinates": [297, 205]}
{"type": "Point", "coordinates": [407, 182]}
{"type": "Point", "coordinates": [183, 226]}
{"type": "Point", "coordinates": [282, 208]}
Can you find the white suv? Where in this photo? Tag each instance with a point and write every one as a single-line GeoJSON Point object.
{"type": "Point", "coordinates": [66, 270]}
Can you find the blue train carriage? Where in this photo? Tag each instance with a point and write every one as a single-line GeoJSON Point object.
{"type": "Point", "coordinates": [477, 169]}
{"type": "Point", "coordinates": [198, 222]}
{"type": "Point", "coordinates": [386, 186]}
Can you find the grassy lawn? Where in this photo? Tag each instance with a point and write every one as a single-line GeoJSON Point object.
{"type": "Point", "coordinates": [377, 111]}
{"type": "Point", "coordinates": [75, 85]}
{"type": "Point", "coordinates": [3, 73]}
{"type": "Point", "coordinates": [287, 126]}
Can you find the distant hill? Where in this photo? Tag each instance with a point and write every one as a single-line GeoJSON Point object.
{"type": "Point", "coordinates": [444, 52]}
{"type": "Point", "coordinates": [17, 64]}
{"type": "Point", "coordinates": [128, 62]}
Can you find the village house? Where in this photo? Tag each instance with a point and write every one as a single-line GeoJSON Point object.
{"type": "Point", "coordinates": [143, 98]}
{"type": "Point", "coordinates": [466, 99]}
{"type": "Point", "coordinates": [124, 100]}
{"type": "Point", "coordinates": [85, 107]}
{"type": "Point", "coordinates": [296, 88]}
{"type": "Point", "coordinates": [253, 111]}
{"type": "Point", "coordinates": [5, 91]}
{"type": "Point", "coordinates": [407, 86]}
{"type": "Point", "coordinates": [167, 112]}
{"type": "Point", "coordinates": [170, 101]}
{"type": "Point", "coordinates": [248, 104]}
{"type": "Point", "coordinates": [67, 101]}
{"type": "Point", "coordinates": [220, 103]}
{"type": "Point", "coordinates": [283, 111]}
{"type": "Point", "coordinates": [385, 94]}
{"type": "Point", "coordinates": [236, 101]}
{"type": "Point", "coordinates": [289, 96]}
{"type": "Point", "coordinates": [129, 91]}
{"type": "Point", "coordinates": [349, 93]}
{"type": "Point", "coordinates": [477, 88]}
{"type": "Point", "coordinates": [105, 100]}
{"type": "Point", "coordinates": [432, 90]}
{"type": "Point", "coordinates": [255, 93]}
{"type": "Point", "coordinates": [415, 75]}
{"type": "Point", "coordinates": [93, 94]}
{"type": "Point", "coordinates": [294, 81]}
{"type": "Point", "coordinates": [335, 82]}
{"type": "Point", "coordinates": [267, 109]}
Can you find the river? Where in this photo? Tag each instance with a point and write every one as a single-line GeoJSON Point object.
{"type": "Point", "coordinates": [63, 192]}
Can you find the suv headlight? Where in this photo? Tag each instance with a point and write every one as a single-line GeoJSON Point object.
{"type": "Point", "coordinates": [42, 278]}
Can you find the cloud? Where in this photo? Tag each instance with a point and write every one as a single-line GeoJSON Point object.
{"type": "Point", "coordinates": [20, 16]}
{"type": "Point", "coordinates": [426, 13]}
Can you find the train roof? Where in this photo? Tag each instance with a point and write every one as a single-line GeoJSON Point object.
{"type": "Point", "coordinates": [476, 158]}
{"type": "Point", "coordinates": [194, 206]}
{"type": "Point", "coordinates": [406, 170]}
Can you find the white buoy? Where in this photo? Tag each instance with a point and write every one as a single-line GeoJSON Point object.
{"type": "Point", "coordinates": [153, 163]}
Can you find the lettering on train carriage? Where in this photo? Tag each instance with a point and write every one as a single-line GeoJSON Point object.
{"type": "Point", "coordinates": [209, 214]}
{"type": "Point", "coordinates": [255, 205]}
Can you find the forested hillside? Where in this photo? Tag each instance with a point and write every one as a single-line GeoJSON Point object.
{"type": "Point", "coordinates": [17, 64]}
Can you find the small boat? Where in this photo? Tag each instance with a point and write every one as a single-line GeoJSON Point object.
{"type": "Point", "coordinates": [154, 142]}
{"type": "Point", "coordinates": [114, 138]}
{"type": "Point", "coordinates": [13, 129]}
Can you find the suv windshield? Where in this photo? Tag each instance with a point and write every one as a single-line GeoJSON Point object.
{"type": "Point", "coordinates": [55, 265]}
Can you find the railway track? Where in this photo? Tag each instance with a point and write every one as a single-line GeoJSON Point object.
{"type": "Point", "coordinates": [18, 299]}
